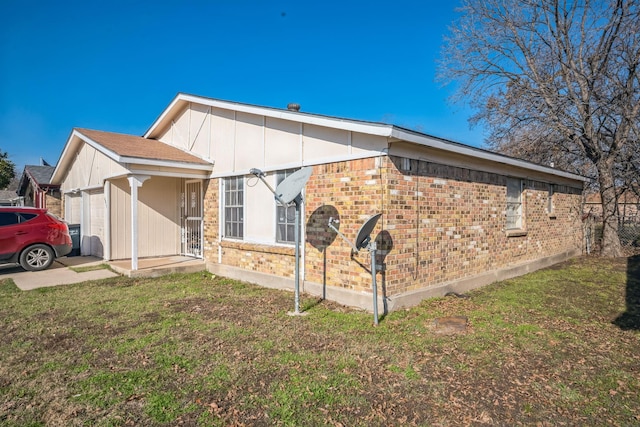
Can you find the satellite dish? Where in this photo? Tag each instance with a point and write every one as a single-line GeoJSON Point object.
{"type": "Point", "coordinates": [364, 234]}
{"type": "Point", "coordinates": [289, 189]}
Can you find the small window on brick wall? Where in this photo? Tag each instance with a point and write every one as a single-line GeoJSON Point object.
{"type": "Point", "coordinates": [550, 199]}
{"type": "Point", "coordinates": [285, 217]}
{"type": "Point", "coordinates": [514, 204]}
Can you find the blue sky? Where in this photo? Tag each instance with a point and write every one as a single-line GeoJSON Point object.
{"type": "Point", "coordinates": [115, 65]}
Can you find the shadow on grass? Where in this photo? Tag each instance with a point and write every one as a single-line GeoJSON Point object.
{"type": "Point", "coordinates": [630, 319]}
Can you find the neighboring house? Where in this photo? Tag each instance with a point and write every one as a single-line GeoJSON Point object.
{"type": "Point", "coordinates": [8, 196]}
{"type": "Point", "coordinates": [454, 217]}
{"type": "Point", "coordinates": [36, 189]}
{"type": "Point", "coordinates": [628, 206]}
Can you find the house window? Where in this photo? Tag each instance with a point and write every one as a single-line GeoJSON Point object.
{"type": "Point", "coordinates": [406, 164]}
{"type": "Point", "coordinates": [514, 204]}
{"type": "Point", "coordinates": [285, 217]}
{"type": "Point", "coordinates": [234, 207]}
{"type": "Point", "coordinates": [550, 200]}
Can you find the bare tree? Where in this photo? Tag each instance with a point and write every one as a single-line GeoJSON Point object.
{"type": "Point", "coordinates": [554, 81]}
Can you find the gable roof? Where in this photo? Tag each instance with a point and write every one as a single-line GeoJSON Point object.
{"type": "Point", "coordinates": [7, 195]}
{"type": "Point", "coordinates": [39, 175]}
{"type": "Point", "coordinates": [126, 149]}
{"type": "Point", "coordinates": [136, 147]}
{"type": "Point", "coordinates": [391, 132]}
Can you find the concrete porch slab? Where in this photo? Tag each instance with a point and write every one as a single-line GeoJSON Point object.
{"type": "Point", "coordinates": [155, 267]}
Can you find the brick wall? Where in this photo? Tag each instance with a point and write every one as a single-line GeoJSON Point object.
{"type": "Point", "coordinates": [276, 260]}
{"type": "Point", "coordinates": [350, 192]}
{"type": "Point", "coordinates": [440, 223]}
{"type": "Point", "coordinates": [54, 203]}
{"type": "Point", "coordinates": [448, 223]}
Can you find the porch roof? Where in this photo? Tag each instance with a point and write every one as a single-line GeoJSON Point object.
{"type": "Point", "coordinates": [127, 149]}
{"type": "Point", "coordinates": [138, 147]}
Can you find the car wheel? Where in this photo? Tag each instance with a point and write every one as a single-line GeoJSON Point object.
{"type": "Point", "coordinates": [36, 257]}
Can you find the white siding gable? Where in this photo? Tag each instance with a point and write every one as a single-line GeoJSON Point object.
{"type": "Point", "coordinates": [238, 141]}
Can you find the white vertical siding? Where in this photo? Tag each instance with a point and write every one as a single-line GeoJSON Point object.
{"type": "Point", "coordinates": [249, 147]}
{"type": "Point", "coordinates": [178, 134]}
{"type": "Point", "coordinates": [260, 211]}
{"type": "Point", "coordinates": [199, 130]}
{"type": "Point", "coordinates": [239, 141]}
{"type": "Point", "coordinates": [120, 222]}
{"type": "Point", "coordinates": [158, 218]}
{"type": "Point", "coordinates": [223, 139]}
{"type": "Point", "coordinates": [89, 169]}
{"type": "Point", "coordinates": [322, 143]}
{"type": "Point", "coordinates": [282, 142]}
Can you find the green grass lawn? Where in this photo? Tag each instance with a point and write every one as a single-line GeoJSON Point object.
{"type": "Point", "coordinates": [557, 347]}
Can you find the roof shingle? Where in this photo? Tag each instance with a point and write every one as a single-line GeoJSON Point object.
{"type": "Point", "coordinates": [142, 148]}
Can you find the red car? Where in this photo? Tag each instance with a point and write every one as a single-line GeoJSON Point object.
{"type": "Point", "coordinates": [32, 237]}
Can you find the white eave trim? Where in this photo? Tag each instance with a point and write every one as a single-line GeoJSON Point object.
{"type": "Point", "coordinates": [164, 163]}
{"type": "Point", "coordinates": [378, 129]}
{"type": "Point", "coordinates": [404, 135]}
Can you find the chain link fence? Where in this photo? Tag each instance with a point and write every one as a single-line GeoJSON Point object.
{"type": "Point", "coordinates": [628, 230]}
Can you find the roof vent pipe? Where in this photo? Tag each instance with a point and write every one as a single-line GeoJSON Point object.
{"type": "Point", "coordinates": [293, 107]}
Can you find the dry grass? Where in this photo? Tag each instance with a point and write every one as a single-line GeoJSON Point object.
{"type": "Point", "coordinates": [559, 346]}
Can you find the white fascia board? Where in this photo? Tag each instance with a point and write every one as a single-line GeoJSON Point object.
{"type": "Point", "coordinates": [131, 161]}
{"type": "Point", "coordinates": [167, 111]}
{"type": "Point", "coordinates": [72, 145]}
{"type": "Point", "coordinates": [377, 129]}
{"type": "Point", "coordinates": [153, 173]}
{"type": "Point", "coordinates": [68, 147]}
{"type": "Point", "coordinates": [478, 153]}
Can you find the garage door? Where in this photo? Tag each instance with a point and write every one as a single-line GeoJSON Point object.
{"type": "Point", "coordinates": [96, 223]}
{"type": "Point", "coordinates": [73, 210]}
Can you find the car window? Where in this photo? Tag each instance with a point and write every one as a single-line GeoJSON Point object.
{"type": "Point", "coordinates": [26, 217]}
{"type": "Point", "coordinates": [8, 218]}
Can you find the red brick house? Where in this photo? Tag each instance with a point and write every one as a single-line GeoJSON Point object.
{"type": "Point", "coordinates": [454, 217]}
{"type": "Point", "coordinates": [36, 189]}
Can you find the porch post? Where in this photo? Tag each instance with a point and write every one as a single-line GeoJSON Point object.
{"type": "Point", "coordinates": [135, 181]}
{"type": "Point", "coordinates": [107, 221]}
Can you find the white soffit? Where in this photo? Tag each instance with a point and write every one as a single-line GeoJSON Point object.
{"type": "Point", "coordinates": [405, 135]}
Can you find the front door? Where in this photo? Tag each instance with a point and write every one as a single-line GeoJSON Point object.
{"type": "Point", "coordinates": [192, 219]}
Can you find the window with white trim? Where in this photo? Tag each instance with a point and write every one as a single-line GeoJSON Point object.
{"type": "Point", "coordinates": [285, 217]}
{"type": "Point", "coordinates": [514, 204]}
{"type": "Point", "coordinates": [234, 207]}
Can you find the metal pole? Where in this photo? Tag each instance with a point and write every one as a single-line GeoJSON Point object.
{"type": "Point", "coordinates": [372, 251]}
{"type": "Point", "coordinates": [297, 255]}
